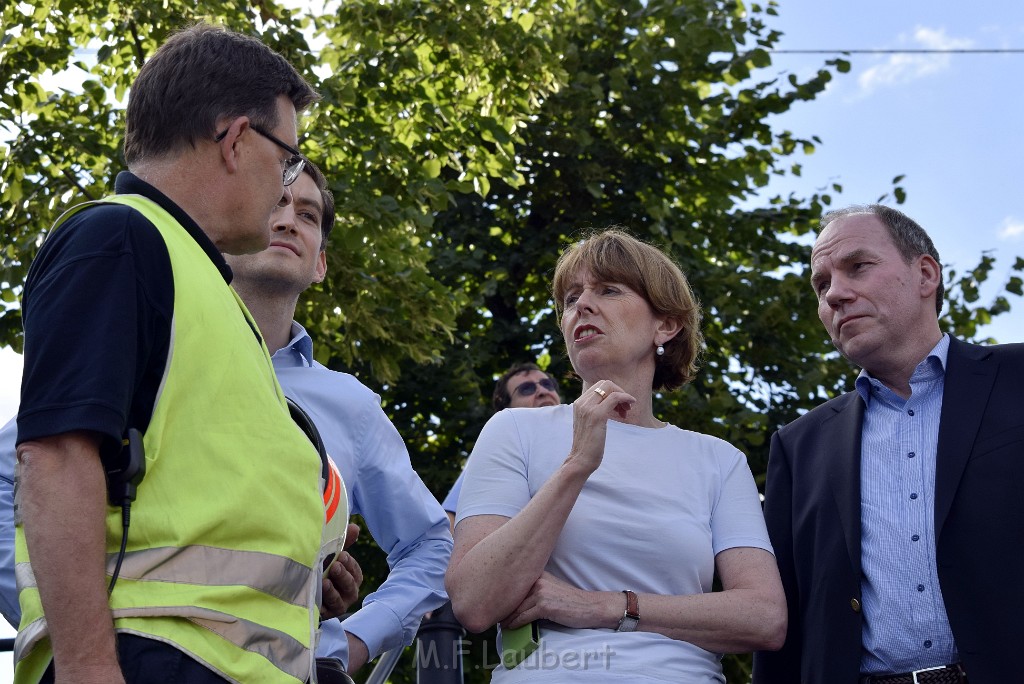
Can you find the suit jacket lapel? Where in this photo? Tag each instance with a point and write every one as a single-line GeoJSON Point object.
{"type": "Point", "coordinates": [844, 431]}
{"type": "Point", "coordinates": [970, 374]}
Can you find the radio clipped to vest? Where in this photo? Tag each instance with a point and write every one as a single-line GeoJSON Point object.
{"type": "Point", "coordinates": [123, 478]}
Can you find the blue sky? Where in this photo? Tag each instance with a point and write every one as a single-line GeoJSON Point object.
{"type": "Point", "coordinates": [949, 123]}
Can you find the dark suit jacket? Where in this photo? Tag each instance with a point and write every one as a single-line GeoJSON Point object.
{"type": "Point", "coordinates": [812, 507]}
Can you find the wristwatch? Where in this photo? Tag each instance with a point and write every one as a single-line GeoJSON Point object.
{"type": "Point", "coordinates": [631, 616]}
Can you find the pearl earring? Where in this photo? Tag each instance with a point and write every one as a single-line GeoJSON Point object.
{"type": "Point", "coordinates": [660, 351]}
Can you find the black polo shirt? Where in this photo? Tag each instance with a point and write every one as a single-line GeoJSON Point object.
{"type": "Point", "coordinates": [97, 311]}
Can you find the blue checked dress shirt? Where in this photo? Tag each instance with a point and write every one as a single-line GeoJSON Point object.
{"type": "Point", "coordinates": [905, 622]}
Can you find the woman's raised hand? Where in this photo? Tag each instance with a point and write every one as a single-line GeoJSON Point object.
{"type": "Point", "coordinates": [599, 403]}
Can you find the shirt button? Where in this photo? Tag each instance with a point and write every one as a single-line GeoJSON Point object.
{"type": "Point", "coordinates": [911, 455]}
{"type": "Point", "coordinates": [928, 643]}
{"type": "Point", "coordinates": [913, 496]}
{"type": "Point", "coordinates": [915, 538]}
{"type": "Point", "coordinates": [910, 412]}
{"type": "Point", "coordinates": [855, 604]}
{"type": "Point", "coordinates": [920, 587]}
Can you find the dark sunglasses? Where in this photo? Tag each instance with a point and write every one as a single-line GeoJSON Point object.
{"type": "Point", "coordinates": [529, 387]}
{"type": "Point", "coordinates": [292, 166]}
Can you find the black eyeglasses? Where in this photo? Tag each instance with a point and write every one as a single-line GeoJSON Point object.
{"type": "Point", "coordinates": [529, 387]}
{"type": "Point", "coordinates": [292, 166]}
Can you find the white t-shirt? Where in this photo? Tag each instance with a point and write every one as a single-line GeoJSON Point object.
{"type": "Point", "coordinates": [652, 518]}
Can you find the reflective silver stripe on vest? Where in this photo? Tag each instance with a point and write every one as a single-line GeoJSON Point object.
{"type": "Point", "coordinates": [23, 576]}
{"type": "Point", "coordinates": [275, 576]}
{"type": "Point", "coordinates": [28, 636]}
{"type": "Point", "coordinates": [172, 644]}
{"type": "Point", "coordinates": [287, 654]}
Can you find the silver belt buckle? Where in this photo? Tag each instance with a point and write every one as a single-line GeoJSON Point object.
{"type": "Point", "coordinates": [926, 669]}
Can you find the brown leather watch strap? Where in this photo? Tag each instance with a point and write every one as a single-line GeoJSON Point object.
{"type": "Point", "coordinates": [632, 604]}
{"type": "Point", "coordinates": [631, 616]}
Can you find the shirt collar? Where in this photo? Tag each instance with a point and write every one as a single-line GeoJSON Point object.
{"type": "Point", "coordinates": [925, 370]}
{"type": "Point", "coordinates": [298, 351]}
{"type": "Point", "coordinates": [127, 183]}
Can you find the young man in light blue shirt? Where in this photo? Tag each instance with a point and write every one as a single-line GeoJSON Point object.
{"type": "Point", "coordinates": [403, 516]}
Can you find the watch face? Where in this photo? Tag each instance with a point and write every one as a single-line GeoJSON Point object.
{"type": "Point", "coordinates": [628, 624]}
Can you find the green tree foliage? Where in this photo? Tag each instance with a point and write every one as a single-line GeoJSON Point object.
{"type": "Point", "coordinates": [467, 144]}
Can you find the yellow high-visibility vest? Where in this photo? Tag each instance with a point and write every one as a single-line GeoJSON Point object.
{"type": "Point", "coordinates": [224, 549]}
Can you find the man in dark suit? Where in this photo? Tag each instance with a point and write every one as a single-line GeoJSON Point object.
{"type": "Point", "coordinates": [897, 510]}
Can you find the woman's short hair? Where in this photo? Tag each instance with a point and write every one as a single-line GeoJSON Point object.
{"type": "Point", "coordinates": [614, 256]}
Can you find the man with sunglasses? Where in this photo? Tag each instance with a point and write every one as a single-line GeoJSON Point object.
{"type": "Point", "coordinates": [130, 324]}
{"type": "Point", "coordinates": [523, 385]}
{"type": "Point", "coordinates": [526, 385]}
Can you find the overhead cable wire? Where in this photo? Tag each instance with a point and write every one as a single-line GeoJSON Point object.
{"type": "Point", "coordinates": [907, 51]}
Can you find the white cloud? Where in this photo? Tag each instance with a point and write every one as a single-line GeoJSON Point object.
{"type": "Point", "coordinates": [1012, 229]}
{"type": "Point", "coordinates": [904, 68]}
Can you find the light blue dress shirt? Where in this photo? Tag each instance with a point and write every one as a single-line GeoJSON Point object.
{"type": "Point", "coordinates": [905, 622]}
{"type": "Point", "coordinates": [402, 515]}
{"type": "Point", "coordinates": [451, 502]}
{"type": "Point", "coordinates": [8, 591]}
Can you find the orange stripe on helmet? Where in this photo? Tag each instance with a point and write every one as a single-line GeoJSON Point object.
{"type": "Point", "coordinates": [332, 493]}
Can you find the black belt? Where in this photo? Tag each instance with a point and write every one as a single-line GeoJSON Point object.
{"type": "Point", "coordinates": [943, 674]}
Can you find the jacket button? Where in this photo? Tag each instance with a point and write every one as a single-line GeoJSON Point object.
{"type": "Point", "coordinates": [855, 604]}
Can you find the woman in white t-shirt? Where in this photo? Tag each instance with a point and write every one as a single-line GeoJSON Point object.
{"type": "Point", "coordinates": [603, 524]}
